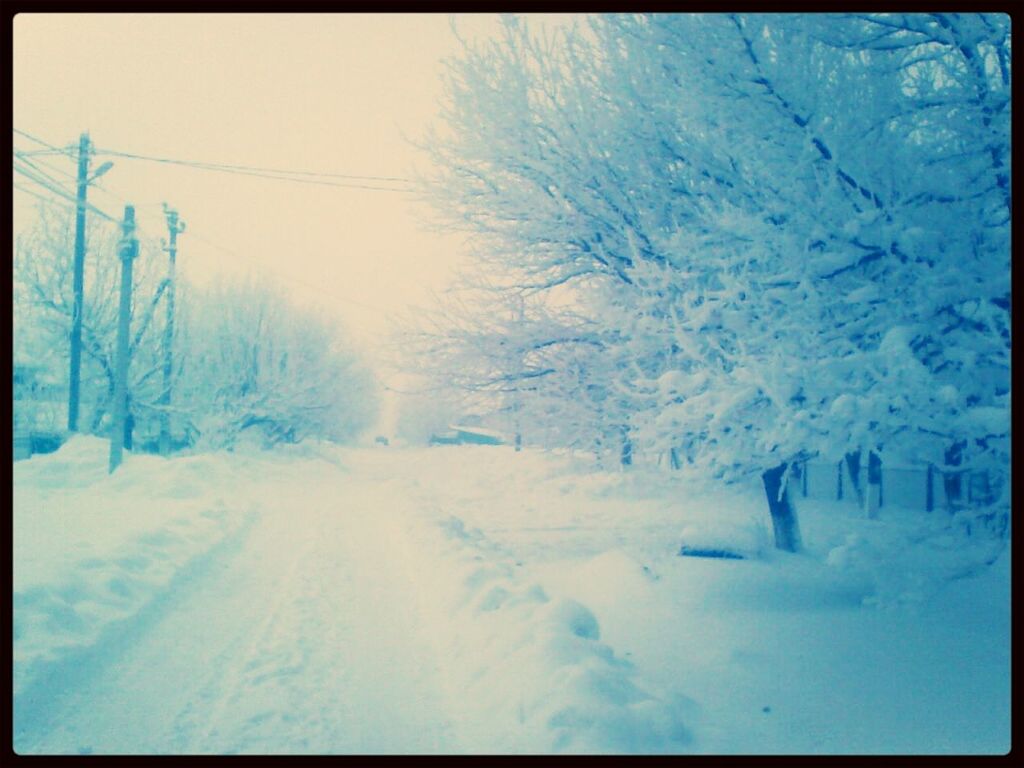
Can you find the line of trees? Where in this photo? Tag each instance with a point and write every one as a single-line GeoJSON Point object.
{"type": "Point", "coordinates": [738, 240]}
{"type": "Point", "coordinates": [248, 361]}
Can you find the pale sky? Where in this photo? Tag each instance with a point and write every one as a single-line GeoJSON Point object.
{"type": "Point", "coordinates": [334, 93]}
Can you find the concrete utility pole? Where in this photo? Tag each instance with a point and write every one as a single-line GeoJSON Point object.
{"type": "Point", "coordinates": [74, 383]}
{"type": "Point", "coordinates": [128, 250]}
{"type": "Point", "coordinates": [174, 226]}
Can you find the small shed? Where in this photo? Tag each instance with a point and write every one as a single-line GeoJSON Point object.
{"type": "Point", "coordinates": [467, 435]}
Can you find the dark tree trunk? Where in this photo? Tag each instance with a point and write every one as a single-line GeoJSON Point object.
{"type": "Point", "coordinates": [129, 428]}
{"type": "Point", "coordinates": [930, 489]}
{"type": "Point", "coordinates": [853, 467]}
{"type": "Point", "coordinates": [784, 522]}
{"type": "Point", "coordinates": [626, 456]}
{"type": "Point", "coordinates": [673, 458]}
{"type": "Point", "coordinates": [953, 481]}
{"type": "Point", "coordinates": [874, 490]}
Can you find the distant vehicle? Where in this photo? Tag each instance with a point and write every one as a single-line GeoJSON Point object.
{"type": "Point", "coordinates": [465, 435]}
{"type": "Point", "coordinates": [380, 440]}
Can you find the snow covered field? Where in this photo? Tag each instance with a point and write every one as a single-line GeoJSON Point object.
{"type": "Point", "coordinates": [474, 599]}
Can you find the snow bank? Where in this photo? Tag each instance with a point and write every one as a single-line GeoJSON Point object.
{"type": "Point", "coordinates": [91, 550]}
{"type": "Point", "coordinates": [900, 618]}
{"type": "Point", "coordinates": [909, 565]}
{"type": "Point", "coordinates": [527, 672]}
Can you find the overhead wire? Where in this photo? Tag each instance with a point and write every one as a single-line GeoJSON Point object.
{"type": "Point", "coordinates": [40, 165]}
{"type": "Point", "coordinates": [260, 169]}
{"type": "Point", "coordinates": [322, 178]}
{"type": "Point", "coordinates": [270, 173]}
{"type": "Point", "coordinates": [319, 178]}
{"type": "Point", "coordinates": [44, 198]}
{"type": "Point", "coordinates": [27, 168]}
{"type": "Point", "coordinates": [50, 185]}
{"type": "Point", "coordinates": [37, 140]}
{"type": "Point", "coordinates": [40, 152]}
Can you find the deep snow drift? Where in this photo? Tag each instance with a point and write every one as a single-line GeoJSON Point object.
{"type": "Point", "coordinates": [475, 599]}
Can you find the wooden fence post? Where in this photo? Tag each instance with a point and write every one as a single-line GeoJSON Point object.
{"type": "Point", "coordinates": [929, 493]}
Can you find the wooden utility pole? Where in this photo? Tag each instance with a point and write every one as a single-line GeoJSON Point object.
{"type": "Point", "coordinates": [174, 226]}
{"type": "Point", "coordinates": [128, 249]}
{"type": "Point", "coordinates": [74, 382]}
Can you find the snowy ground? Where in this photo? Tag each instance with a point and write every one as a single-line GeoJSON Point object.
{"type": "Point", "coordinates": [474, 599]}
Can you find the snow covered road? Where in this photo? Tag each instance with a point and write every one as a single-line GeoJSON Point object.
{"type": "Point", "coordinates": [463, 599]}
{"type": "Point", "coordinates": [297, 639]}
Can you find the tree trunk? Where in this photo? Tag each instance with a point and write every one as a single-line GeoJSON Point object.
{"type": "Point", "coordinates": [626, 456]}
{"type": "Point", "coordinates": [129, 429]}
{"type": "Point", "coordinates": [673, 458]}
{"type": "Point", "coordinates": [784, 522]}
{"type": "Point", "coordinates": [930, 489]}
{"type": "Point", "coordinates": [873, 498]}
{"type": "Point", "coordinates": [953, 481]}
{"type": "Point", "coordinates": [853, 467]}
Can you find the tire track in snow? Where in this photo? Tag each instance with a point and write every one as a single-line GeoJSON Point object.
{"type": "Point", "coordinates": [300, 642]}
{"type": "Point", "coordinates": [41, 710]}
{"type": "Point", "coordinates": [200, 725]}
{"type": "Point", "coordinates": [268, 701]}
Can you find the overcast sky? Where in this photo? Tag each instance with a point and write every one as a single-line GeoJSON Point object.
{"type": "Point", "coordinates": [329, 93]}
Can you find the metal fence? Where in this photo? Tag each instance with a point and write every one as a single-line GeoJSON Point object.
{"type": "Point", "coordinates": [909, 487]}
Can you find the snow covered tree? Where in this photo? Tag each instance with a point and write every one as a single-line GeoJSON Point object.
{"type": "Point", "coordinates": [245, 357]}
{"type": "Point", "coordinates": [736, 202]}
{"type": "Point", "coordinates": [826, 263]}
{"type": "Point", "coordinates": [43, 300]}
{"type": "Point", "coordinates": [253, 360]}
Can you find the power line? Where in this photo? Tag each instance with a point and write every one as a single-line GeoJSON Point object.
{"type": "Point", "coordinates": [36, 169]}
{"type": "Point", "coordinates": [230, 252]}
{"type": "Point", "coordinates": [66, 150]}
{"type": "Point", "coordinates": [320, 178]}
{"type": "Point", "coordinates": [318, 182]}
{"type": "Point", "coordinates": [252, 167]}
{"type": "Point", "coordinates": [53, 187]}
{"type": "Point", "coordinates": [35, 162]}
{"type": "Point", "coordinates": [40, 152]}
{"type": "Point", "coordinates": [272, 173]}
{"type": "Point", "coordinates": [44, 198]}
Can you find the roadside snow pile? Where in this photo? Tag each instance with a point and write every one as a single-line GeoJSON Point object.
{"type": "Point", "coordinates": [910, 564]}
{"type": "Point", "coordinates": [528, 673]}
{"type": "Point", "coordinates": [91, 550]}
{"type": "Point", "coordinates": [719, 535]}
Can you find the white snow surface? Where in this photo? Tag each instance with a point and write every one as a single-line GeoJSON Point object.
{"type": "Point", "coordinates": [475, 599]}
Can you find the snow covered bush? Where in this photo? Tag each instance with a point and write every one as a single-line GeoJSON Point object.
{"type": "Point", "coordinates": [258, 367]}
